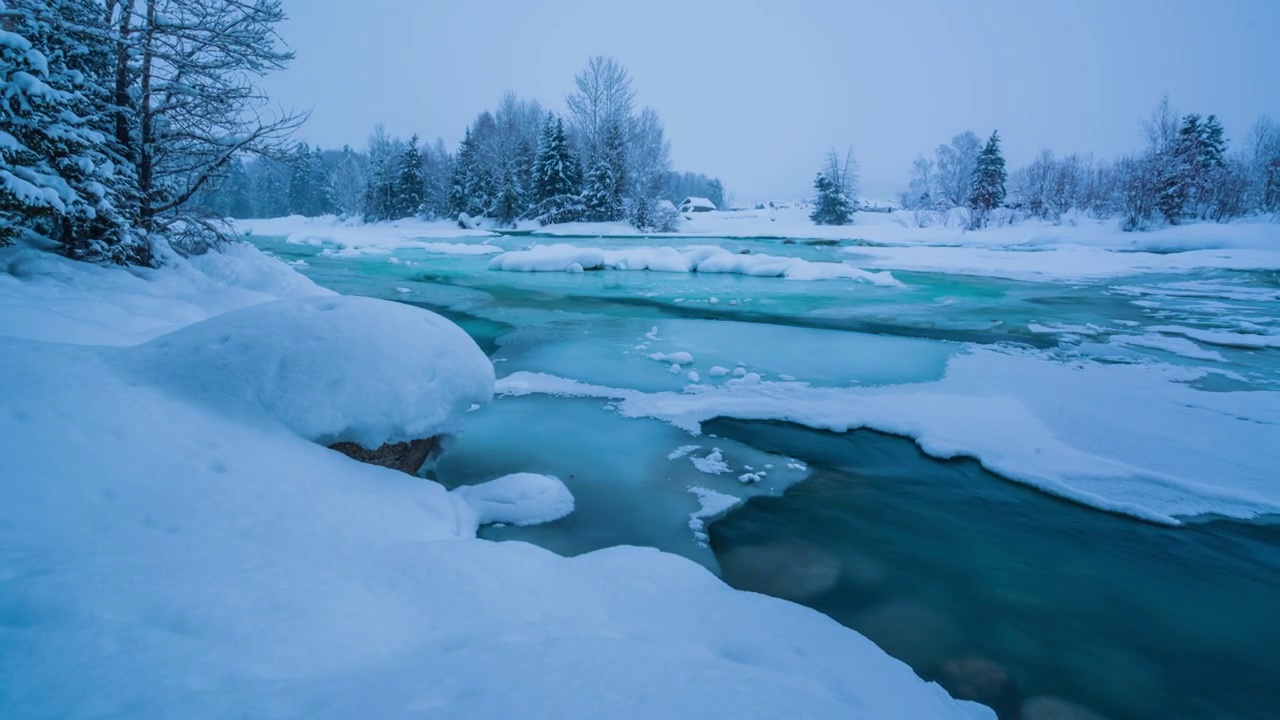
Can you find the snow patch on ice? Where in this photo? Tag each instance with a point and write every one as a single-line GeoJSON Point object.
{"type": "Point", "coordinates": [711, 505]}
{"type": "Point", "coordinates": [712, 464]}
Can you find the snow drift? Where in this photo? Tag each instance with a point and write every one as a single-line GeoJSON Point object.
{"type": "Point", "coordinates": [697, 258]}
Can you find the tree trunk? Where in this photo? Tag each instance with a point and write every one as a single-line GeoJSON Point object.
{"type": "Point", "coordinates": [122, 72]}
{"type": "Point", "coordinates": [146, 158]}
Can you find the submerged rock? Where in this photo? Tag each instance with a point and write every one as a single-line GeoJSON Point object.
{"type": "Point", "coordinates": [407, 457]}
{"type": "Point", "coordinates": [974, 678]}
{"type": "Point", "coordinates": [789, 571]}
{"type": "Point", "coordinates": [909, 630]}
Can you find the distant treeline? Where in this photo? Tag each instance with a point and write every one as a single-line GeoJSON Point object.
{"type": "Point", "coordinates": [1185, 172]}
{"type": "Point", "coordinates": [603, 161]}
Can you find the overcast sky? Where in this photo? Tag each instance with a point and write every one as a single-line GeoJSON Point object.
{"type": "Point", "coordinates": [753, 92]}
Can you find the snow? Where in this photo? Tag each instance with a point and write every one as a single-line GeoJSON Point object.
{"type": "Point", "coordinates": [1117, 437]}
{"type": "Point", "coordinates": [1058, 263]}
{"type": "Point", "coordinates": [518, 499]}
{"type": "Point", "coordinates": [1225, 339]}
{"type": "Point", "coordinates": [176, 544]}
{"type": "Point", "coordinates": [331, 369]}
{"type": "Point", "coordinates": [682, 451]}
{"type": "Point", "coordinates": [718, 371]}
{"type": "Point", "coordinates": [712, 464]}
{"type": "Point", "coordinates": [696, 204]}
{"type": "Point", "coordinates": [1177, 346]}
{"type": "Point", "coordinates": [711, 505]}
{"type": "Point", "coordinates": [693, 259]}
{"type": "Point", "coordinates": [681, 358]}
{"type": "Point", "coordinates": [352, 237]}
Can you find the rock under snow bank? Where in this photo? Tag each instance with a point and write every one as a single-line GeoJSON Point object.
{"type": "Point", "coordinates": [700, 258]}
{"type": "Point", "coordinates": [331, 369]}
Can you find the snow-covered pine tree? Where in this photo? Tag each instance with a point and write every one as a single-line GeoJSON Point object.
{"type": "Point", "coordinates": [409, 181]}
{"type": "Point", "coordinates": [301, 182]}
{"type": "Point", "coordinates": [60, 177]}
{"type": "Point", "coordinates": [556, 169]}
{"type": "Point", "coordinates": [437, 174]}
{"type": "Point", "coordinates": [830, 206]}
{"type": "Point", "coordinates": [835, 185]}
{"type": "Point", "coordinates": [598, 197]}
{"type": "Point", "coordinates": [1180, 170]}
{"type": "Point", "coordinates": [989, 177]}
{"type": "Point", "coordinates": [472, 191]}
{"type": "Point", "coordinates": [508, 203]}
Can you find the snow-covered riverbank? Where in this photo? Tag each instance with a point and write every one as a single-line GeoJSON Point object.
{"type": "Point", "coordinates": [176, 541]}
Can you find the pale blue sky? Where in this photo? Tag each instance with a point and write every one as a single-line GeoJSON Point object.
{"type": "Point", "coordinates": [755, 91]}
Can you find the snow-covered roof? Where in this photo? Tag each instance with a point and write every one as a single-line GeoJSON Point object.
{"type": "Point", "coordinates": [698, 202]}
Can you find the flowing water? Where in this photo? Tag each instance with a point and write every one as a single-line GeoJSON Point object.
{"type": "Point", "coordinates": [996, 590]}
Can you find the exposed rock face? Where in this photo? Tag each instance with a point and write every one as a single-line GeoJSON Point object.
{"type": "Point", "coordinates": [407, 457]}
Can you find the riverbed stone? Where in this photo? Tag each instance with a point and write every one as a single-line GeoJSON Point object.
{"type": "Point", "coordinates": [407, 457]}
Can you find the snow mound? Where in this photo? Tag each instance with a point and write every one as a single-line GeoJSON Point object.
{"type": "Point", "coordinates": [331, 369]}
{"type": "Point", "coordinates": [519, 499]}
{"type": "Point", "coordinates": [693, 259]}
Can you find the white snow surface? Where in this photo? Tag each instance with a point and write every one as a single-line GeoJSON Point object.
{"type": "Point", "coordinates": [697, 258]}
{"type": "Point", "coordinates": [351, 237]}
{"type": "Point", "coordinates": [331, 369]}
{"type": "Point", "coordinates": [174, 544]}
{"type": "Point", "coordinates": [518, 499]}
{"type": "Point", "coordinates": [1117, 437]}
{"type": "Point", "coordinates": [711, 505]}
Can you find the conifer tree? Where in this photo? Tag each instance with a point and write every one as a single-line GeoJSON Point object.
{"type": "Point", "coordinates": [598, 198]}
{"type": "Point", "coordinates": [60, 176]}
{"type": "Point", "coordinates": [302, 188]}
{"type": "Point", "coordinates": [556, 170]}
{"type": "Point", "coordinates": [989, 177]}
{"type": "Point", "coordinates": [410, 181]}
{"type": "Point", "coordinates": [831, 205]}
{"type": "Point", "coordinates": [508, 203]}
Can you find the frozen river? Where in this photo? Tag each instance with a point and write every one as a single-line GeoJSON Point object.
{"type": "Point", "coordinates": [1144, 384]}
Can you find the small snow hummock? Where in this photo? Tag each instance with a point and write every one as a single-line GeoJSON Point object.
{"type": "Point", "coordinates": [740, 371]}
{"type": "Point", "coordinates": [751, 477]}
{"type": "Point", "coordinates": [520, 499]}
{"type": "Point", "coordinates": [718, 371]}
{"type": "Point", "coordinates": [403, 290]}
{"type": "Point", "coordinates": [712, 464]}
{"type": "Point", "coordinates": [694, 377]}
{"type": "Point", "coordinates": [681, 358]}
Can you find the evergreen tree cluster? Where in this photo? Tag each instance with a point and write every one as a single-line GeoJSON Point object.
{"type": "Point", "coordinates": [1186, 172]}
